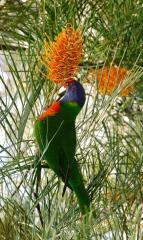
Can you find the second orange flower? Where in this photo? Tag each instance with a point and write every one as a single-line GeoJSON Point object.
{"type": "Point", "coordinates": [109, 78]}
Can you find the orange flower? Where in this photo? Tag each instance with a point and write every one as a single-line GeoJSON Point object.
{"type": "Point", "coordinates": [63, 56]}
{"type": "Point", "coordinates": [109, 78]}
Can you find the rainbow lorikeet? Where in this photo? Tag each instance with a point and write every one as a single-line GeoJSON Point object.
{"type": "Point", "coordinates": [56, 136]}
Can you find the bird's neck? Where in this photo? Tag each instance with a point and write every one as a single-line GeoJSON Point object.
{"type": "Point", "coordinates": [69, 110]}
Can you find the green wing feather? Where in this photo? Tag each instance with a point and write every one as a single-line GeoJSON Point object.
{"type": "Point", "coordinates": [47, 134]}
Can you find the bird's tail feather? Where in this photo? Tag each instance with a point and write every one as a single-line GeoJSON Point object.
{"type": "Point", "coordinates": [79, 188]}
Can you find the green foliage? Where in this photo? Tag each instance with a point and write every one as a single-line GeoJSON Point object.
{"type": "Point", "coordinates": [115, 25]}
{"type": "Point", "coordinates": [109, 129]}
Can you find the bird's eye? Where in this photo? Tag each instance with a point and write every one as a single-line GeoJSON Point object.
{"type": "Point", "coordinates": [73, 89]}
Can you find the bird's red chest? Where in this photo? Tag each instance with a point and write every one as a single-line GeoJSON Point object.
{"type": "Point", "coordinates": [50, 111]}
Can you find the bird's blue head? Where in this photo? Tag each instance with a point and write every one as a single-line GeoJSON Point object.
{"type": "Point", "coordinates": [74, 93]}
